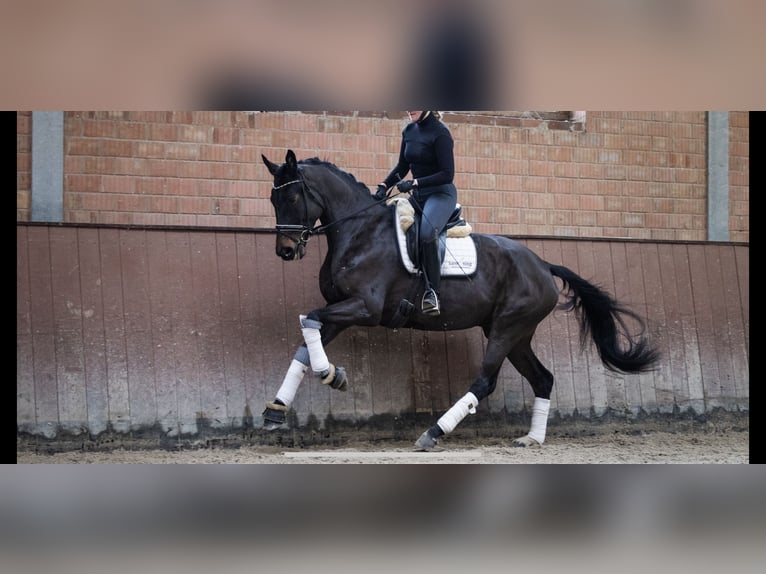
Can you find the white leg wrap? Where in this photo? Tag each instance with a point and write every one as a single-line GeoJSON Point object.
{"type": "Point", "coordinates": [450, 419]}
{"type": "Point", "coordinates": [539, 419]}
{"type": "Point", "coordinates": [291, 382]}
{"type": "Point", "coordinates": [313, 338]}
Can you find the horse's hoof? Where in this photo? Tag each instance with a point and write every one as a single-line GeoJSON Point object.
{"type": "Point", "coordinates": [426, 443]}
{"type": "Point", "coordinates": [340, 381]}
{"type": "Point", "coordinates": [525, 441]}
{"type": "Point", "coordinates": [273, 418]}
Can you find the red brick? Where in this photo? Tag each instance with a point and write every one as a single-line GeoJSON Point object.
{"type": "Point", "coordinates": [162, 132]}
{"type": "Point", "coordinates": [540, 200]}
{"type": "Point", "coordinates": [99, 128]}
{"type": "Point", "coordinates": [149, 149]}
{"type": "Point", "coordinates": [534, 184]}
{"type": "Point", "coordinates": [180, 117]}
{"type": "Point", "coordinates": [564, 170]}
{"type": "Point", "coordinates": [195, 133]}
{"type": "Point", "coordinates": [223, 135]}
{"type": "Point", "coordinates": [215, 152]}
{"type": "Point", "coordinates": [146, 117]}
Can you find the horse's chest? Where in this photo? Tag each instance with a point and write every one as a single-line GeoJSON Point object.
{"type": "Point", "coordinates": [350, 269]}
{"type": "Point", "coordinates": [342, 280]}
{"type": "Point", "coordinates": [345, 278]}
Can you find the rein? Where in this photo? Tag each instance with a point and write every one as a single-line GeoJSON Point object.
{"type": "Point", "coordinates": [304, 231]}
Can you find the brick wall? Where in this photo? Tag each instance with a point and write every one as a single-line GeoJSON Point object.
{"type": "Point", "coordinates": [23, 165]}
{"type": "Point", "coordinates": [739, 176]}
{"type": "Point", "coordinates": [621, 174]}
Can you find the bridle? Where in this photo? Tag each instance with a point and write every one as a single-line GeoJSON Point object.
{"type": "Point", "coordinates": [303, 230]}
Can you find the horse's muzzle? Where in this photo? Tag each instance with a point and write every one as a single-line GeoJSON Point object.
{"type": "Point", "coordinates": [290, 251]}
{"type": "Point", "coordinates": [291, 241]}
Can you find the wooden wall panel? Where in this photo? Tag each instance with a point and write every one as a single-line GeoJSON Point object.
{"type": "Point", "coordinates": [205, 300]}
{"type": "Point", "coordinates": [671, 333]}
{"type": "Point", "coordinates": [703, 317]}
{"type": "Point", "coordinates": [231, 329]}
{"type": "Point", "coordinates": [421, 372]}
{"type": "Point", "coordinates": [247, 284]}
{"type": "Point", "coordinates": [694, 397]}
{"type": "Point", "coordinates": [380, 359]}
{"type": "Point", "coordinates": [742, 256]}
{"type": "Point", "coordinates": [161, 304]}
{"type": "Point", "coordinates": [134, 329]}
{"type": "Point", "coordinates": [737, 315]}
{"type": "Point", "coordinates": [67, 326]}
{"type": "Point", "coordinates": [400, 377]}
{"type": "Point", "coordinates": [184, 338]}
{"type": "Point", "coordinates": [438, 372]}
{"type": "Point", "coordinates": [114, 329]}
{"type": "Point", "coordinates": [94, 346]}
{"type": "Point", "coordinates": [43, 345]}
{"type": "Point", "coordinates": [25, 381]}
{"type": "Point", "coordinates": [138, 332]}
{"type": "Point", "coordinates": [722, 318]}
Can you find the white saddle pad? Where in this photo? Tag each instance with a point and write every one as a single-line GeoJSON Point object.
{"type": "Point", "coordinates": [460, 252]}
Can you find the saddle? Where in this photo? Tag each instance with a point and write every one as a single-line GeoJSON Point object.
{"type": "Point", "coordinates": [457, 251]}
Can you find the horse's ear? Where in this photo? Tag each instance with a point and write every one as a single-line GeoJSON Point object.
{"type": "Point", "coordinates": [291, 162]}
{"type": "Point", "coordinates": [272, 167]}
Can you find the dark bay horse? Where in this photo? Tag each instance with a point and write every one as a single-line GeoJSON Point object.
{"type": "Point", "coordinates": [364, 283]}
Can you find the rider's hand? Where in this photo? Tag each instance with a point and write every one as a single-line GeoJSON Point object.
{"type": "Point", "coordinates": [381, 192]}
{"type": "Point", "coordinates": [405, 186]}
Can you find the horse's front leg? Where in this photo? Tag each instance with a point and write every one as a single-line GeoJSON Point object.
{"type": "Point", "coordinates": [316, 335]}
{"type": "Point", "coordinates": [319, 328]}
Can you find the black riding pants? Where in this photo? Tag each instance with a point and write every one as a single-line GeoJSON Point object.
{"type": "Point", "coordinates": [437, 204]}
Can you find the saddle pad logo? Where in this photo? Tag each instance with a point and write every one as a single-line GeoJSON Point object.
{"type": "Point", "coordinates": [459, 255]}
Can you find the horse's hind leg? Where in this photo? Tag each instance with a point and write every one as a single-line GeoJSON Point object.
{"type": "Point", "coordinates": [482, 387]}
{"type": "Point", "coordinates": [526, 362]}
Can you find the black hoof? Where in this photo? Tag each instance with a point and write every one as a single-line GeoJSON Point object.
{"type": "Point", "coordinates": [427, 443]}
{"type": "Point", "coordinates": [339, 381]}
{"type": "Point", "coordinates": [273, 418]}
{"type": "Point", "coordinates": [270, 426]}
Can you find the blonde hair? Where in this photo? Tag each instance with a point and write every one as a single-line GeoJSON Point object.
{"type": "Point", "coordinates": [437, 115]}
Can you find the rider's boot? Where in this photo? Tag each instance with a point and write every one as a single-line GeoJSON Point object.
{"type": "Point", "coordinates": [432, 273]}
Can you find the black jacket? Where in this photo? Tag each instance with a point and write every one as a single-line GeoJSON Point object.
{"type": "Point", "coordinates": [427, 151]}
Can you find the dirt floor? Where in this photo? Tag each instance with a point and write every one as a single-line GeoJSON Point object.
{"type": "Point", "coordinates": [721, 442]}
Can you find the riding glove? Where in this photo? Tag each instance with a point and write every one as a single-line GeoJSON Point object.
{"type": "Point", "coordinates": [381, 193]}
{"type": "Point", "coordinates": [405, 186]}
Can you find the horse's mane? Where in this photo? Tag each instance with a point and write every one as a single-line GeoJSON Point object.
{"type": "Point", "coordinates": [352, 181]}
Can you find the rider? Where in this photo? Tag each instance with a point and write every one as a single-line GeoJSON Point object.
{"type": "Point", "coordinates": [427, 151]}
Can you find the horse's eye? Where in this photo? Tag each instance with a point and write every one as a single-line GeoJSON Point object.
{"type": "Point", "coordinates": [293, 200]}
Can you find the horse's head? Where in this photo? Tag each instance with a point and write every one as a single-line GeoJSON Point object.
{"type": "Point", "coordinates": [296, 212]}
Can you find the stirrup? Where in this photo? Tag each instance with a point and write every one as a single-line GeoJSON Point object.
{"type": "Point", "coordinates": [430, 303]}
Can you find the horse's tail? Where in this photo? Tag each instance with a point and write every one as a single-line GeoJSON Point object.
{"type": "Point", "coordinates": [599, 316]}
